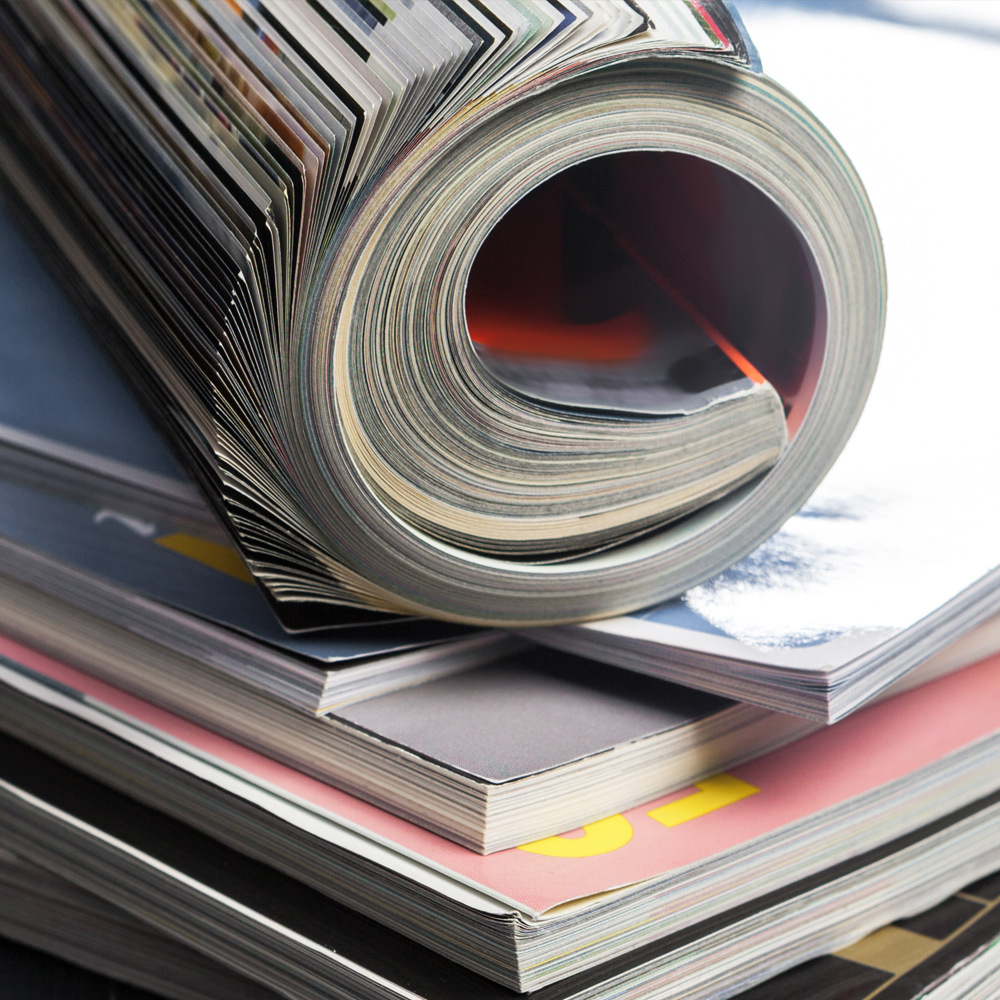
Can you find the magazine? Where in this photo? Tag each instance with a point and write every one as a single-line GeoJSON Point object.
{"type": "Point", "coordinates": [389, 284]}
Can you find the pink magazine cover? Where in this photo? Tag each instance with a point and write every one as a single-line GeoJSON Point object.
{"type": "Point", "coordinates": [875, 746]}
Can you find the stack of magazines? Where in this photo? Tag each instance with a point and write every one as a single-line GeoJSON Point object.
{"type": "Point", "coordinates": [454, 540]}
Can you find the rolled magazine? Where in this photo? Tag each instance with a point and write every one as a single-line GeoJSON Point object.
{"type": "Point", "coordinates": [504, 313]}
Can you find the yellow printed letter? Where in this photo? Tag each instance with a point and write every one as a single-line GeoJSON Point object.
{"type": "Point", "coordinates": [598, 838]}
{"type": "Point", "coordinates": [220, 557]}
{"type": "Point", "coordinates": [712, 794]}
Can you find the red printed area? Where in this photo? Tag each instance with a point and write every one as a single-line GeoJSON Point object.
{"type": "Point", "coordinates": [580, 269]}
{"type": "Point", "coordinates": [515, 299]}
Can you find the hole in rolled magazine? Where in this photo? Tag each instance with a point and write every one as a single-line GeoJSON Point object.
{"type": "Point", "coordinates": [647, 283]}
